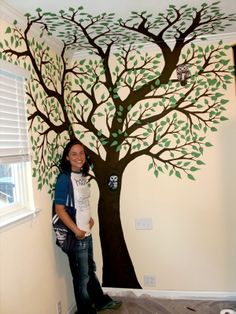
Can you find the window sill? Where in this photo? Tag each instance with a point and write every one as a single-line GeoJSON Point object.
{"type": "Point", "coordinates": [14, 218]}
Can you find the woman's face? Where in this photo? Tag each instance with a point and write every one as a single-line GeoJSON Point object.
{"type": "Point", "coordinates": [76, 157]}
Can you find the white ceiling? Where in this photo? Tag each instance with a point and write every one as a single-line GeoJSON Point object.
{"type": "Point", "coordinates": [122, 8]}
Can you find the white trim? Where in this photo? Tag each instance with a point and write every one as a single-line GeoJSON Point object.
{"type": "Point", "coordinates": [72, 309]}
{"type": "Point", "coordinates": [17, 70]}
{"type": "Point", "coordinates": [8, 221]}
{"type": "Point", "coordinates": [172, 294]}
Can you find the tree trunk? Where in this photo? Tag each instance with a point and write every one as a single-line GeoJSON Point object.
{"type": "Point", "coordinates": [118, 270]}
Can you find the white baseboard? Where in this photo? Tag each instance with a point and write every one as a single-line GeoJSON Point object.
{"type": "Point", "coordinates": [168, 294]}
{"type": "Point", "coordinates": [171, 294]}
{"type": "Point", "coordinates": [72, 309]}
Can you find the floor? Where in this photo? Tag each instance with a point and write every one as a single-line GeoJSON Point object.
{"type": "Point", "coordinates": [144, 304]}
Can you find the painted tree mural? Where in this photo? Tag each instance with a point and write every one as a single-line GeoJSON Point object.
{"type": "Point", "coordinates": [123, 100]}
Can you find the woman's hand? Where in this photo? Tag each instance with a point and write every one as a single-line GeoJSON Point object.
{"type": "Point", "coordinates": [80, 234]}
{"type": "Point", "coordinates": [91, 223]}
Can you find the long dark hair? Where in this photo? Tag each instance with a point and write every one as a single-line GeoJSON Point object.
{"type": "Point", "coordinates": [65, 164]}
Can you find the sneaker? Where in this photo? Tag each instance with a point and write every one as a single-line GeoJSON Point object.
{"type": "Point", "coordinates": [110, 305]}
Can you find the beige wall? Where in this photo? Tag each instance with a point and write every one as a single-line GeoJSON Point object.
{"type": "Point", "coordinates": [34, 273]}
{"type": "Point", "coordinates": [192, 246]}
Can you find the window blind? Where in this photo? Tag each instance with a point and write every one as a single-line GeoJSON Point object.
{"type": "Point", "coordinates": [14, 144]}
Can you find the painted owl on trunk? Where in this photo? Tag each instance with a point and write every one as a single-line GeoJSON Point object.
{"type": "Point", "coordinates": [182, 72]}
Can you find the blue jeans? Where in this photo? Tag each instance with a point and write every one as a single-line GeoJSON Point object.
{"type": "Point", "coordinates": [87, 289]}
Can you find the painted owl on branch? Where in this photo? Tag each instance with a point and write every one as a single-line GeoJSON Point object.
{"type": "Point", "coordinates": [183, 73]}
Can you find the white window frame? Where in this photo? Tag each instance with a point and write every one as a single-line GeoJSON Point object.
{"type": "Point", "coordinates": [17, 155]}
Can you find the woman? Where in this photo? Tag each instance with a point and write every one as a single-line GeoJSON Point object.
{"type": "Point", "coordinates": [74, 171]}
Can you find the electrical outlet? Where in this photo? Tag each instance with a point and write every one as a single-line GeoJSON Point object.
{"type": "Point", "coordinates": [58, 308]}
{"type": "Point", "coordinates": [149, 281]}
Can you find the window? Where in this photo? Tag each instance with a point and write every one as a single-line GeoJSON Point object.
{"type": "Point", "coordinates": [16, 195]}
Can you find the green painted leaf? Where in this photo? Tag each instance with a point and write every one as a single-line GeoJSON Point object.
{"type": "Point", "coordinates": [224, 101]}
{"type": "Point", "coordinates": [191, 177]}
{"type": "Point", "coordinates": [199, 162]}
{"type": "Point", "coordinates": [150, 166]}
{"type": "Point", "coordinates": [114, 143]}
{"type": "Point", "coordinates": [8, 30]}
{"type": "Point", "coordinates": [178, 174]}
{"type": "Point", "coordinates": [118, 148]}
{"type": "Point", "coordinates": [223, 118]}
{"type": "Point", "coordinates": [171, 172]}
{"type": "Point", "coordinates": [194, 169]}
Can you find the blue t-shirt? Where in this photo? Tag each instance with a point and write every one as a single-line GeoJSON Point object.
{"type": "Point", "coordinates": [62, 189]}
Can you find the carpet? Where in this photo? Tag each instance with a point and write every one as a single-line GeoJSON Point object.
{"type": "Point", "coordinates": [145, 304]}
